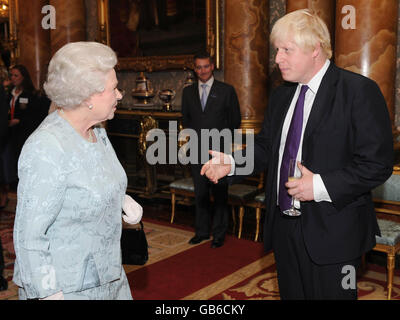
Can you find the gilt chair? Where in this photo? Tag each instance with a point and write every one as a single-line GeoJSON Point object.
{"type": "Point", "coordinates": [387, 207]}
{"type": "Point", "coordinates": [244, 195]}
{"type": "Point", "coordinates": [258, 204]}
{"type": "Point", "coordinates": [183, 187]}
{"type": "Point", "coordinates": [238, 196]}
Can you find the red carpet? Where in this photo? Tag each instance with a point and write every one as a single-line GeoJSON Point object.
{"type": "Point", "coordinates": [189, 271]}
{"type": "Point", "coordinates": [237, 271]}
{"type": "Point", "coordinates": [6, 234]}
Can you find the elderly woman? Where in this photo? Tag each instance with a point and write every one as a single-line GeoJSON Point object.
{"type": "Point", "coordinates": [71, 189]}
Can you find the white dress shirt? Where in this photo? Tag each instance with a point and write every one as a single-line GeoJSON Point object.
{"type": "Point", "coordinates": [209, 84]}
{"type": "Point", "coordinates": [319, 189]}
{"type": "Point", "coordinates": [320, 192]}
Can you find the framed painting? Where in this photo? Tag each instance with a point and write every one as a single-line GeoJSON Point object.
{"type": "Point", "coordinates": [155, 35]}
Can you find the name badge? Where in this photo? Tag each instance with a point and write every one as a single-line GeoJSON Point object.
{"type": "Point", "coordinates": [24, 100]}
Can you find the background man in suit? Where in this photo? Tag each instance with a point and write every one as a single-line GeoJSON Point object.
{"type": "Point", "coordinates": [209, 104]}
{"type": "Point", "coordinates": [337, 123]}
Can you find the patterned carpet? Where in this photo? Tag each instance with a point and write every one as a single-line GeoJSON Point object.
{"type": "Point", "coordinates": [176, 270]}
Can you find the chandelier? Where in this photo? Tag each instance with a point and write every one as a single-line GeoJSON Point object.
{"type": "Point", "coordinates": [3, 8]}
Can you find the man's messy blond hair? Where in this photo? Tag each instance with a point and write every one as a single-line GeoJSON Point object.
{"type": "Point", "coordinates": [305, 29]}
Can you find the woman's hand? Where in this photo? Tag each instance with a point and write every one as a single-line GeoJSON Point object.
{"type": "Point", "coordinates": [133, 210]}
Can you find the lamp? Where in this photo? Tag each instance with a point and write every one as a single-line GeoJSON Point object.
{"type": "Point", "coordinates": [3, 8]}
{"type": "Point", "coordinates": [143, 91]}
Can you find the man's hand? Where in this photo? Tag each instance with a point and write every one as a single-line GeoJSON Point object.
{"type": "Point", "coordinates": [302, 189]}
{"type": "Point", "coordinates": [217, 167]}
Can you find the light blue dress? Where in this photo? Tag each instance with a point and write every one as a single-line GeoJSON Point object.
{"type": "Point", "coordinates": [68, 220]}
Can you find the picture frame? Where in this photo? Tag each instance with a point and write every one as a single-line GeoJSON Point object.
{"type": "Point", "coordinates": [157, 35]}
{"type": "Point", "coordinates": [9, 24]}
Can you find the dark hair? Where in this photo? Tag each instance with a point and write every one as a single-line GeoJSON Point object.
{"type": "Point", "coordinates": [203, 55]}
{"type": "Point", "coordinates": [27, 84]}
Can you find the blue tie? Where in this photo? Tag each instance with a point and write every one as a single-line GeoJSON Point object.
{"type": "Point", "coordinates": [203, 96]}
{"type": "Point", "coordinates": [291, 148]}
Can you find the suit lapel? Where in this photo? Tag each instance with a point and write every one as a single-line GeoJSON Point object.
{"type": "Point", "coordinates": [196, 94]}
{"type": "Point", "coordinates": [283, 108]}
{"type": "Point", "coordinates": [212, 96]}
{"type": "Point", "coordinates": [278, 118]}
{"type": "Point", "coordinates": [323, 101]}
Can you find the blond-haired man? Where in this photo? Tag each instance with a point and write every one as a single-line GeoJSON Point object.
{"type": "Point", "coordinates": [336, 124]}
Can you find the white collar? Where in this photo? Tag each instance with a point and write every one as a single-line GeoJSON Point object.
{"type": "Point", "coordinates": [209, 83]}
{"type": "Point", "coordinates": [15, 94]}
{"type": "Point", "coordinates": [315, 82]}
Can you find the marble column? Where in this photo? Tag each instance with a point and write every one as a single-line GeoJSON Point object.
{"type": "Point", "coordinates": [366, 41]}
{"type": "Point", "coordinates": [34, 41]}
{"type": "Point", "coordinates": [324, 8]}
{"type": "Point", "coordinates": [246, 57]}
{"type": "Point", "coordinates": [71, 23]}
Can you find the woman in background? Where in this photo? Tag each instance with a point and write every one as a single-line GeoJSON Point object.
{"type": "Point", "coordinates": [27, 108]}
{"type": "Point", "coordinates": [71, 189]}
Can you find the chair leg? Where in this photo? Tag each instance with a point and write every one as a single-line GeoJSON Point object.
{"type": "Point", "coordinates": [241, 214]}
{"type": "Point", "coordinates": [173, 206]}
{"type": "Point", "coordinates": [258, 215]}
{"type": "Point", "coordinates": [390, 267]}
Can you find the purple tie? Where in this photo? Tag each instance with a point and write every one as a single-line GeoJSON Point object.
{"type": "Point", "coordinates": [291, 148]}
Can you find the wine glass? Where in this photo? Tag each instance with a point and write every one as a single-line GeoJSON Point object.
{"type": "Point", "coordinates": [293, 174]}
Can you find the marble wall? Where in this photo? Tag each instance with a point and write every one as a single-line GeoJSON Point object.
{"type": "Point", "coordinates": [397, 94]}
{"type": "Point", "coordinates": [176, 79]}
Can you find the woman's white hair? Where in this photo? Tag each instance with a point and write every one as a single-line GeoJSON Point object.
{"type": "Point", "coordinates": [77, 71]}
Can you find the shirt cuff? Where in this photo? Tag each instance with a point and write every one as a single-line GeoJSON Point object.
{"type": "Point", "coordinates": [320, 192]}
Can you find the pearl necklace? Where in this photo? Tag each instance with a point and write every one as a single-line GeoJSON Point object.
{"type": "Point", "coordinates": [91, 134]}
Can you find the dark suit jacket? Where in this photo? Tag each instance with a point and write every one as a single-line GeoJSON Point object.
{"type": "Point", "coordinates": [348, 141]}
{"type": "Point", "coordinates": [222, 109]}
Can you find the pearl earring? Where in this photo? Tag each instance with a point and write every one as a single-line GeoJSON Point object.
{"type": "Point", "coordinates": [90, 107]}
